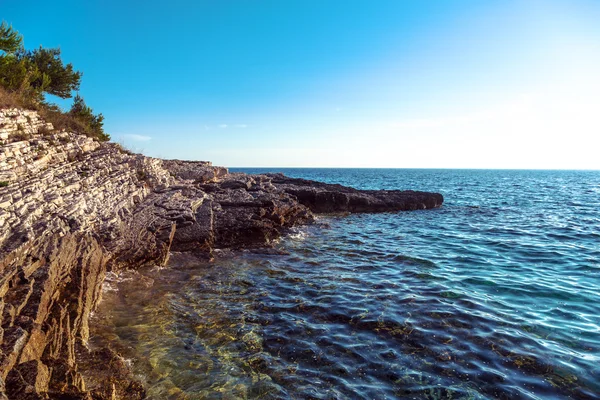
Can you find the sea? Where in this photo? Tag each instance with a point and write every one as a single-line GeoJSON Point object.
{"type": "Point", "coordinates": [495, 295]}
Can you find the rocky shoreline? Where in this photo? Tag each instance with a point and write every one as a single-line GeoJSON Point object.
{"type": "Point", "coordinates": [72, 209]}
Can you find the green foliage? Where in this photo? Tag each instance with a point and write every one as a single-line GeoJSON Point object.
{"type": "Point", "coordinates": [49, 74]}
{"type": "Point", "coordinates": [16, 75]}
{"type": "Point", "coordinates": [10, 40]}
{"type": "Point", "coordinates": [37, 72]}
{"type": "Point", "coordinates": [3, 184]}
{"type": "Point", "coordinates": [27, 75]}
{"type": "Point", "coordinates": [34, 72]}
{"type": "Point", "coordinates": [80, 111]}
{"type": "Point", "coordinates": [72, 122]}
{"type": "Point", "coordinates": [16, 72]}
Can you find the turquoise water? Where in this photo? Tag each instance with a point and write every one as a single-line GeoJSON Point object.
{"type": "Point", "coordinates": [494, 295]}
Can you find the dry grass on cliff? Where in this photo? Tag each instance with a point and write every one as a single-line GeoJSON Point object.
{"type": "Point", "coordinates": [62, 121]}
{"type": "Point", "coordinates": [50, 112]}
{"type": "Point", "coordinates": [9, 100]}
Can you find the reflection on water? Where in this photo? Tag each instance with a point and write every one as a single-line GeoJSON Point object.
{"type": "Point", "coordinates": [462, 302]}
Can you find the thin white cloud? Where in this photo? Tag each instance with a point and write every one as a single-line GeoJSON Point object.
{"type": "Point", "coordinates": [225, 126]}
{"type": "Point", "coordinates": [138, 138]}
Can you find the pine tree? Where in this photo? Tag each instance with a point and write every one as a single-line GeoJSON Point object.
{"type": "Point", "coordinates": [53, 76]}
{"type": "Point", "coordinates": [83, 113]}
{"type": "Point", "coordinates": [10, 40]}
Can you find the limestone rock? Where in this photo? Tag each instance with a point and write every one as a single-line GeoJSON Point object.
{"type": "Point", "coordinates": [72, 209]}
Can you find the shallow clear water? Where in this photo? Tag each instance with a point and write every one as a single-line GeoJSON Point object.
{"type": "Point", "coordinates": [494, 295]}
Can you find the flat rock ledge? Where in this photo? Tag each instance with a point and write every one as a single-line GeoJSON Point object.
{"type": "Point", "coordinates": [73, 209]}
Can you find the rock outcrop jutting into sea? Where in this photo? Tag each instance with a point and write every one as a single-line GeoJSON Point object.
{"type": "Point", "coordinates": [72, 209]}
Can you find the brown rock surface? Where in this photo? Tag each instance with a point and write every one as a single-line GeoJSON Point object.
{"type": "Point", "coordinates": [72, 209]}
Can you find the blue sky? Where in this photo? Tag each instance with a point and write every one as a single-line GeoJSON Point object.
{"type": "Point", "coordinates": [437, 84]}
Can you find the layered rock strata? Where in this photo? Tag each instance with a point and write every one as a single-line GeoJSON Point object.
{"type": "Point", "coordinates": [72, 209]}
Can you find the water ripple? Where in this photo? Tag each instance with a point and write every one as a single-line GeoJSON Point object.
{"type": "Point", "coordinates": [495, 295]}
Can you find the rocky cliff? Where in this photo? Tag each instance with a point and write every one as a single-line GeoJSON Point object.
{"type": "Point", "coordinates": [72, 209]}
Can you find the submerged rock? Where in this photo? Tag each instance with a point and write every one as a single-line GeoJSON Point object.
{"type": "Point", "coordinates": [72, 209]}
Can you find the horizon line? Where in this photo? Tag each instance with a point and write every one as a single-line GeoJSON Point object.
{"type": "Point", "coordinates": [426, 168]}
